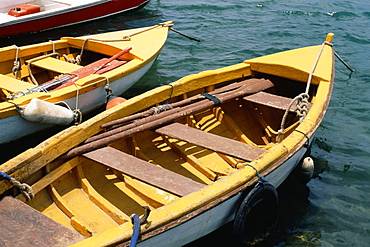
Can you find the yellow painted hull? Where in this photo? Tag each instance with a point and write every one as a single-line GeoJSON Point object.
{"type": "Point", "coordinates": [42, 63]}
{"type": "Point", "coordinates": [94, 191]}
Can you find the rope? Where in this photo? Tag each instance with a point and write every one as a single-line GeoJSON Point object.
{"type": "Point", "coordinates": [302, 99]}
{"type": "Point", "coordinates": [261, 178]}
{"type": "Point", "coordinates": [17, 65]}
{"type": "Point", "coordinates": [136, 232]}
{"type": "Point", "coordinates": [161, 108]}
{"type": "Point", "coordinates": [77, 113]}
{"type": "Point", "coordinates": [136, 221]}
{"type": "Point", "coordinates": [53, 45]}
{"type": "Point", "coordinates": [170, 96]}
{"type": "Point", "coordinates": [25, 189]}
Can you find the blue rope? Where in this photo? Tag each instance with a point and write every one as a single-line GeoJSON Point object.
{"type": "Point", "coordinates": [3, 175]}
{"type": "Point", "coordinates": [135, 234]}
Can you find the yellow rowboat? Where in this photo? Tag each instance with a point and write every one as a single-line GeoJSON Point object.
{"type": "Point", "coordinates": [176, 162]}
{"type": "Point", "coordinates": [56, 82]}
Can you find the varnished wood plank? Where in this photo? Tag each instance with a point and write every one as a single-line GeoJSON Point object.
{"type": "Point", "coordinates": [144, 171]}
{"type": "Point", "coordinates": [21, 225]}
{"type": "Point", "coordinates": [272, 100]}
{"type": "Point", "coordinates": [211, 141]}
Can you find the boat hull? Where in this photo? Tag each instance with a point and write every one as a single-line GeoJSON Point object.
{"type": "Point", "coordinates": [87, 102]}
{"type": "Point", "coordinates": [67, 16]}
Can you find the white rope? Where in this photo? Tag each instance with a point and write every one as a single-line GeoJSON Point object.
{"type": "Point", "coordinates": [161, 108]}
{"type": "Point", "coordinates": [302, 99]}
{"type": "Point", "coordinates": [17, 65]}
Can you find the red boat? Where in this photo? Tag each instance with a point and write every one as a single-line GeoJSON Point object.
{"type": "Point", "coordinates": [24, 16]}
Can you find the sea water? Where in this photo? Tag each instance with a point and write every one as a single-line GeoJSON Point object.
{"type": "Point", "coordinates": [334, 208]}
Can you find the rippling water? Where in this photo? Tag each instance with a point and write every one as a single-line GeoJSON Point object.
{"type": "Point", "coordinates": [333, 209]}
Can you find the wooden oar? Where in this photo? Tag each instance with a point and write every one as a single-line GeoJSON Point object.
{"type": "Point", "coordinates": [93, 68]}
{"type": "Point", "coordinates": [190, 100]}
{"type": "Point", "coordinates": [155, 121]}
{"type": "Point", "coordinates": [170, 109]}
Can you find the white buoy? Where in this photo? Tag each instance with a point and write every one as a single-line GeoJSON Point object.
{"type": "Point", "coordinates": [40, 111]}
{"type": "Point", "coordinates": [306, 170]}
{"type": "Point", "coordinates": [308, 167]}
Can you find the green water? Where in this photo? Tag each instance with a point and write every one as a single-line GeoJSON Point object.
{"type": "Point", "coordinates": [333, 209]}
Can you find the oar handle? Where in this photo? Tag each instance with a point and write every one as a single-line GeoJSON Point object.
{"type": "Point", "coordinates": [113, 58]}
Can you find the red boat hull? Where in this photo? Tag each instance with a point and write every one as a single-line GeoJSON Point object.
{"type": "Point", "coordinates": [70, 16]}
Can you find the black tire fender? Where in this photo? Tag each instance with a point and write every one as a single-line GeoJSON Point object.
{"type": "Point", "coordinates": [257, 212]}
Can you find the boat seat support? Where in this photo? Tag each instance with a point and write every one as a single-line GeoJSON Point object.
{"type": "Point", "coordinates": [211, 141]}
{"type": "Point", "coordinates": [144, 171]}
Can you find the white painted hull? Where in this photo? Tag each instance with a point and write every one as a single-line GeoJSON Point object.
{"type": "Point", "coordinates": [17, 127]}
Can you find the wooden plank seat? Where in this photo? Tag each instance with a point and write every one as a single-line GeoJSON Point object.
{"type": "Point", "coordinates": [211, 141]}
{"type": "Point", "coordinates": [272, 100]}
{"type": "Point", "coordinates": [13, 85]}
{"type": "Point", "coordinates": [54, 64]}
{"type": "Point", "coordinates": [23, 226]}
{"type": "Point", "coordinates": [144, 171]}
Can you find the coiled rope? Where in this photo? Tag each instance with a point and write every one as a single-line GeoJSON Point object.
{"type": "Point", "coordinates": [25, 189]}
{"type": "Point", "coordinates": [301, 99]}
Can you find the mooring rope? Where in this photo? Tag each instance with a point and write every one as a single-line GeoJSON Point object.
{"type": "Point", "coordinates": [302, 99]}
{"type": "Point", "coordinates": [17, 65]}
{"type": "Point", "coordinates": [25, 189]}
